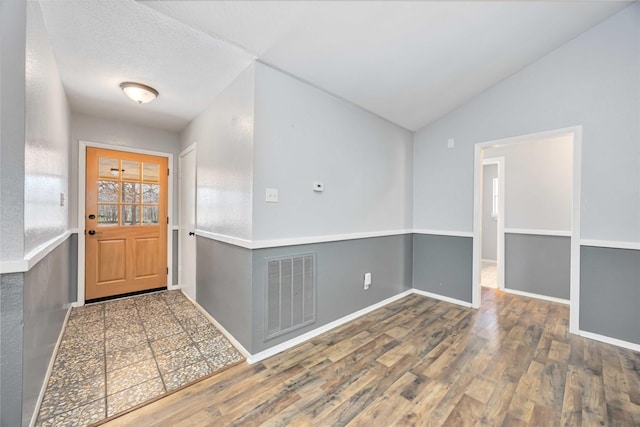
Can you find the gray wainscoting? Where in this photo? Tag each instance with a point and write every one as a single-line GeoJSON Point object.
{"type": "Point", "coordinates": [340, 269]}
{"type": "Point", "coordinates": [443, 265]}
{"type": "Point", "coordinates": [610, 292]}
{"type": "Point", "coordinates": [223, 286]}
{"type": "Point", "coordinates": [231, 282]}
{"type": "Point", "coordinates": [11, 315]}
{"type": "Point", "coordinates": [175, 261]}
{"type": "Point", "coordinates": [47, 298]}
{"type": "Point", "coordinates": [538, 264]}
{"type": "Point", "coordinates": [32, 312]}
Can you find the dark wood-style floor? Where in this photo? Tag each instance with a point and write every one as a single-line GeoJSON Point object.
{"type": "Point", "coordinates": [419, 361]}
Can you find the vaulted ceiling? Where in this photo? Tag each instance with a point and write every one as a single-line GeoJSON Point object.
{"type": "Point", "coordinates": [409, 62]}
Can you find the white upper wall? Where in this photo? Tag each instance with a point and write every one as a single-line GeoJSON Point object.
{"type": "Point", "coordinates": [591, 81]}
{"type": "Point", "coordinates": [489, 223]}
{"type": "Point", "coordinates": [12, 123]}
{"type": "Point", "coordinates": [224, 136]}
{"type": "Point", "coordinates": [538, 183]}
{"type": "Point", "coordinates": [303, 135]}
{"type": "Point", "coordinates": [46, 162]}
{"type": "Point", "coordinates": [119, 134]}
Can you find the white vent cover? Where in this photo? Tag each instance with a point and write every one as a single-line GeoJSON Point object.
{"type": "Point", "coordinates": [290, 294]}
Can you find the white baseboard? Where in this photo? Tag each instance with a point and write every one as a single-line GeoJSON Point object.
{"type": "Point", "coordinates": [34, 417]}
{"type": "Point", "coordinates": [442, 298]}
{"type": "Point", "coordinates": [609, 340]}
{"type": "Point", "coordinates": [322, 329]}
{"type": "Point", "coordinates": [537, 296]}
{"type": "Point", "coordinates": [221, 328]}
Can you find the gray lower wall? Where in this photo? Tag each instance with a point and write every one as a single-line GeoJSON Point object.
{"type": "Point", "coordinates": [610, 292]}
{"type": "Point", "coordinates": [11, 315]}
{"type": "Point", "coordinates": [340, 268]}
{"type": "Point", "coordinates": [33, 306]}
{"type": "Point", "coordinates": [230, 281]}
{"type": "Point", "coordinates": [175, 261]}
{"type": "Point", "coordinates": [538, 264]}
{"type": "Point", "coordinates": [47, 297]}
{"type": "Point", "coordinates": [443, 265]}
{"type": "Point", "coordinates": [223, 286]}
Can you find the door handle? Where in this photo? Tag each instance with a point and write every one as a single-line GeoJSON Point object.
{"type": "Point", "coordinates": [191, 233]}
{"type": "Point", "coordinates": [92, 232]}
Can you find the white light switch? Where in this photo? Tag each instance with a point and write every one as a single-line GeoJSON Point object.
{"type": "Point", "coordinates": [450, 143]}
{"type": "Point", "coordinates": [271, 195]}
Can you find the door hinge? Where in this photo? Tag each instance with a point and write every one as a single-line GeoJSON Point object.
{"type": "Point", "coordinates": [167, 270]}
{"type": "Point", "coordinates": [167, 220]}
{"type": "Point", "coordinates": [167, 171]}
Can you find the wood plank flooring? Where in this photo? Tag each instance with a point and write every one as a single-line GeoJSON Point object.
{"type": "Point", "coordinates": [419, 361]}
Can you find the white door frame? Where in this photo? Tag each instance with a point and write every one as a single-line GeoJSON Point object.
{"type": "Point", "coordinates": [574, 289]}
{"type": "Point", "coordinates": [183, 153]}
{"type": "Point", "coordinates": [82, 176]}
{"type": "Point", "coordinates": [499, 161]}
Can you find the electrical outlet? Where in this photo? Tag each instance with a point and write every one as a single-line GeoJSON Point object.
{"type": "Point", "coordinates": [367, 280]}
{"type": "Point", "coordinates": [271, 195]}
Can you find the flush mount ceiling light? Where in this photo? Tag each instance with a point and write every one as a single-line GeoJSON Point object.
{"type": "Point", "coordinates": [138, 92]}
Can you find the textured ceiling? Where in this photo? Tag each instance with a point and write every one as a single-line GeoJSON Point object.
{"type": "Point", "coordinates": [409, 62]}
{"type": "Point", "coordinates": [99, 44]}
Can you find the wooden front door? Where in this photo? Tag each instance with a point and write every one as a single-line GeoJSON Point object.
{"type": "Point", "coordinates": [126, 223]}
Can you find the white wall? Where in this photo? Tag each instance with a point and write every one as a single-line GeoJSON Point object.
{"type": "Point", "coordinates": [538, 179]}
{"type": "Point", "coordinates": [304, 135]}
{"type": "Point", "coordinates": [489, 223]}
{"type": "Point", "coordinates": [224, 133]}
{"type": "Point", "coordinates": [12, 133]}
{"type": "Point", "coordinates": [591, 81]}
{"type": "Point", "coordinates": [47, 139]}
{"type": "Point", "coordinates": [119, 134]}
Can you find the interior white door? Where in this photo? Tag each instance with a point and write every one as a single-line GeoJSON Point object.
{"type": "Point", "coordinates": [186, 236]}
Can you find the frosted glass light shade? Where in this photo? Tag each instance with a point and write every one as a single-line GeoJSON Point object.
{"type": "Point", "coordinates": [138, 92]}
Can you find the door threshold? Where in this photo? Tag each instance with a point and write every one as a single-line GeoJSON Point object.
{"type": "Point", "coordinates": [120, 296]}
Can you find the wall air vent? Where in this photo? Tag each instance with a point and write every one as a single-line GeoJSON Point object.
{"type": "Point", "coordinates": [290, 294]}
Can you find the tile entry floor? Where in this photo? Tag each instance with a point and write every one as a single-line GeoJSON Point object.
{"type": "Point", "coordinates": [117, 354]}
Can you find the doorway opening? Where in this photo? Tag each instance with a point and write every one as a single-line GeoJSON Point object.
{"type": "Point", "coordinates": [540, 200]}
{"type": "Point", "coordinates": [492, 269]}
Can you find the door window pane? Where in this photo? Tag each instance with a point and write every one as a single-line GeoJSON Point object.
{"type": "Point", "coordinates": [130, 192]}
{"type": "Point", "coordinates": [108, 191]}
{"type": "Point", "coordinates": [107, 215]}
{"type": "Point", "coordinates": [150, 193]}
{"type": "Point", "coordinates": [149, 215]}
{"type": "Point", "coordinates": [131, 170]}
{"type": "Point", "coordinates": [150, 172]}
{"type": "Point", "coordinates": [130, 214]}
{"type": "Point", "coordinates": [108, 168]}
